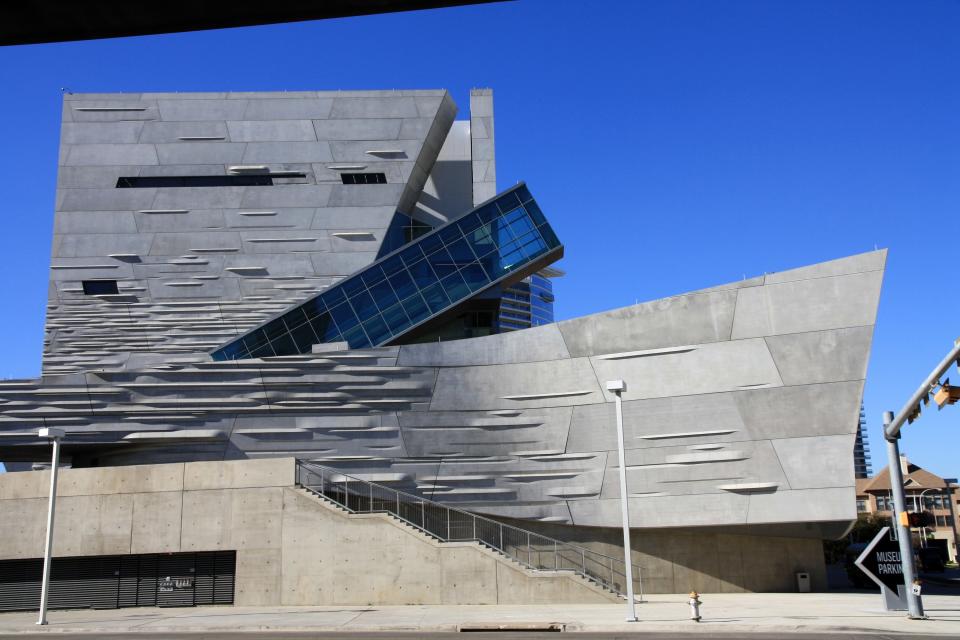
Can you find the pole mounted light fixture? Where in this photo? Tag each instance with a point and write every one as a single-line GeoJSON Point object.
{"type": "Point", "coordinates": [617, 387]}
{"type": "Point", "coordinates": [54, 436]}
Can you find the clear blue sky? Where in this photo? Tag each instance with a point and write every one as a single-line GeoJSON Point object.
{"type": "Point", "coordinates": [673, 144]}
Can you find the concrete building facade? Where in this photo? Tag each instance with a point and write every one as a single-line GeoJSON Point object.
{"type": "Point", "coordinates": [241, 276]}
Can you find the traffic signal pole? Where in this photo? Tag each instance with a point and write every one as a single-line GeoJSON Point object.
{"type": "Point", "coordinates": [914, 603]}
{"type": "Point", "coordinates": [892, 424]}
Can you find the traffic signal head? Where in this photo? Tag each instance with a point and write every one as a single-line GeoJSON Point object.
{"type": "Point", "coordinates": [918, 520]}
{"type": "Point", "coordinates": [946, 394]}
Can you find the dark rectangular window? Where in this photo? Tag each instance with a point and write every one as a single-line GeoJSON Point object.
{"type": "Point", "coordinates": [249, 180]}
{"type": "Point", "coordinates": [100, 287]}
{"type": "Point", "coordinates": [363, 178]}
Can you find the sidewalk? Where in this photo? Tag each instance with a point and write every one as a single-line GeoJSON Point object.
{"type": "Point", "coordinates": [742, 613]}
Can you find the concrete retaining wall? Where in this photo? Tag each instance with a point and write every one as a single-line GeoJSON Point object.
{"type": "Point", "coordinates": [292, 548]}
{"type": "Point", "coordinates": [708, 561]}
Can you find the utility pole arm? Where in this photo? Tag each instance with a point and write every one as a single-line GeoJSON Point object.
{"type": "Point", "coordinates": [892, 430]}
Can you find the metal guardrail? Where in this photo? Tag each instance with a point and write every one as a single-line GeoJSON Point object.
{"type": "Point", "coordinates": [449, 524]}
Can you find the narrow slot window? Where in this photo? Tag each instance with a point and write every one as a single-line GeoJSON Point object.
{"type": "Point", "coordinates": [250, 180]}
{"type": "Point", "coordinates": [363, 178]}
{"type": "Point", "coordinates": [100, 287]}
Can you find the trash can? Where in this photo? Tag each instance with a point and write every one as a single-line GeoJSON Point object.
{"type": "Point", "coordinates": [803, 582]}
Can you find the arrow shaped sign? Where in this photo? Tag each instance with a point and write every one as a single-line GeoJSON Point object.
{"type": "Point", "coordinates": [881, 562]}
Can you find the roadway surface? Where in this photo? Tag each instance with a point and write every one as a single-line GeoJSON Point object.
{"type": "Point", "coordinates": [498, 635]}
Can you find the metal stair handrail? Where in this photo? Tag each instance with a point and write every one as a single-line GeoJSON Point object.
{"type": "Point", "coordinates": [450, 524]}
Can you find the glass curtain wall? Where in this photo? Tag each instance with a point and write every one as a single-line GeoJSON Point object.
{"type": "Point", "coordinates": [498, 240]}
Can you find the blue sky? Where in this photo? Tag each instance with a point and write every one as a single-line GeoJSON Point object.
{"type": "Point", "coordinates": [673, 144]}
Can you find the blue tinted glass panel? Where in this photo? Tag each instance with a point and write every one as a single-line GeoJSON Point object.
{"type": "Point", "coordinates": [416, 308]}
{"type": "Point", "coordinates": [433, 273]}
{"type": "Point", "coordinates": [431, 243]}
{"type": "Point", "coordinates": [383, 294]}
{"type": "Point", "coordinates": [333, 296]}
{"type": "Point", "coordinates": [356, 338]}
{"type": "Point", "coordinates": [274, 329]}
{"type": "Point", "coordinates": [442, 262]}
{"type": "Point", "coordinates": [403, 284]}
{"type": "Point", "coordinates": [376, 329]}
{"type": "Point", "coordinates": [475, 276]}
{"type": "Point", "coordinates": [352, 286]}
{"type": "Point", "coordinates": [372, 275]}
{"type": "Point", "coordinates": [449, 233]}
{"type": "Point", "coordinates": [325, 328]}
{"type": "Point", "coordinates": [508, 201]}
{"type": "Point", "coordinates": [284, 345]}
{"type": "Point", "coordinates": [344, 316]}
{"type": "Point", "coordinates": [436, 299]}
{"type": "Point", "coordinates": [393, 264]}
{"type": "Point", "coordinates": [396, 319]}
{"type": "Point", "coordinates": [455, 287]}
{"type": "Point", "coordinates": [313, 308]}
{"type": "Point", "coordinates": [263, 352]}
{"type": "Point", "coordinates": [304, 337]}
{"type": "Point", "coordinates": [363, 305]}
{"type": "Point", "coordinates": [461, 252]}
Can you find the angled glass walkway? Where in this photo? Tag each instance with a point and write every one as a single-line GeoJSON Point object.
{"type": "Point", "coordinates": [503, 240]}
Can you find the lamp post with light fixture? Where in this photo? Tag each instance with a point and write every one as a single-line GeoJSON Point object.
{"type": "Point", "coordinates": [55, 436]}
{"type": "Point", "coordinates": [617, 387]}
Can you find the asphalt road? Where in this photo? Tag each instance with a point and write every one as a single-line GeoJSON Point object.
{"type": "Point", "coordinates": [495, 635]}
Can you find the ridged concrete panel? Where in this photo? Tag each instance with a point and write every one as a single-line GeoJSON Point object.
{"type": "Point", "coordinates": [197, 265]}
{"type": "Point", "coordinates": [683, 320]}
{"type": "Point", "coordinates": [474, 424]}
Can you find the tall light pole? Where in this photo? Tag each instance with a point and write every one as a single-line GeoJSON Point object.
{"type": "Point", "coordinates": [920, 510]}
{"type": "Point", "coordinates": [617, 387]}
{"type": "Point", "coordinates": [54, 435]}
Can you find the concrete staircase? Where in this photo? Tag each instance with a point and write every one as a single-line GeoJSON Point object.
{"type": "Point", "coordinates": [566, 581]}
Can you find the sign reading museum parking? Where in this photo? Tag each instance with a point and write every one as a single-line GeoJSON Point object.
{"type": "Point", "coordinates": [881, 561]}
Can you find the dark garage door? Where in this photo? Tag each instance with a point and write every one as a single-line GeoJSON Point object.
{"type": "Point", "coordinates": [109, 582]}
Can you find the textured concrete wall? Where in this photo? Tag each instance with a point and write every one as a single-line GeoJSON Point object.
{"type": "Point", "coordinates": [292, 549]}
{"type": "Point", "coordinates": [741, 409]}
{"type": "Point", "coordinates": [197, 266]}
{"type": "Point", "coordinates": [708, 561]}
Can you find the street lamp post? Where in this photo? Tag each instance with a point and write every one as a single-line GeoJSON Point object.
{"type": "Point", "coordinates": [617, 387]}
{"type": "Point", "coordinates": [920, 510]}
{"type": "Point", "coordinates": [54, 435]}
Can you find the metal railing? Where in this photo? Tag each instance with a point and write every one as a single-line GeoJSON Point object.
{"type": "Point", "coordinates": [449, 524]}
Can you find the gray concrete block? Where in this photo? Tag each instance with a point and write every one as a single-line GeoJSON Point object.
{"type": "Point", "coordinates": [365, 195]}
{"type": "Point", "coordinates": [173, 132]}
{"type": "Point", "coordinates": [100, 132]}
{"type": "Point", "coordinates": [184, 110]}
{"type": "Point", "coordinates": [110, 154]}
{"type": "Point", "coordinates": [260, 152]}
{"type": "Point", "coordinates": [386, 107]}
{"type": "Point", "coordinates": [201, 152]}
{"type": "Point", "coordinates": [843, 301]}
{"type": "Point", "coordinates": [271, 130]}
{"type": "Point", "coordinates": [683, 320]}
{"type": "Point", "coordinates": [287, 108]}
{"type": "Point", "coordinates": [361, 129]}
{"type": "Point", "coordinates": [105, 199]}
{"type": "Point", "coordinates": [69, 222]}
{"type": "Point", "coordinates": [870, 261]}
{"type": "Point", "coordinates": [297, 196]}
{"type": "Point", "coordinates": [707, 368]}
{"type": "Point", "coordinates": [191, 198]}
{"type": "Point", "coordinates": [822, 356]}
{"type": "Point", "coordinates": [540, 343]}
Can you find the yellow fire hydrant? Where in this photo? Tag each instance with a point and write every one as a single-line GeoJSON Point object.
{"type": "Point", "coordinates": [695, 606]}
